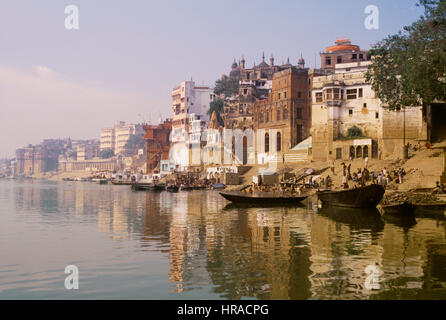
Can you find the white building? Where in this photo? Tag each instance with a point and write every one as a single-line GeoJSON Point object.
{"type": "Point", "coordinates": [115, 138]}
{"type": "Point", "coordinates": [190, 104]}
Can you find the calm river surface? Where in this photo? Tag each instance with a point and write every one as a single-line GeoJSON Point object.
{"type": "Point", "coordinates": [193, 245]}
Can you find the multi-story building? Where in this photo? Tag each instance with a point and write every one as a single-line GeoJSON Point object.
{"type": "Point", "coordinates": [116, 138]}
{"type": "Point", "coordinates": [254, 83]}
{"type": "Point", "coordinates": [157, 145]}
{"type": "Point", "coordinates": [349, 121]}
{"type": "Point", "coordinates": [283, 120]}
{"type": "Point", "coordinates": [190, 104]}
{"type": "Point", "coordinates": [342, 52]}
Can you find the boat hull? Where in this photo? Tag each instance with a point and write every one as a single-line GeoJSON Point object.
{"type": "Point", "coordinates": [262, 198]}
{"type": "Point", "coordinates": [405, 209]}
{"type": "Point", "coordinates": [364, 197]}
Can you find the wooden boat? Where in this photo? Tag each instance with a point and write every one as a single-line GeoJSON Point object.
{"type": "Point", "coordinates": [267, 198]}
{"type": "Point", "coordinates": [186, 188]}
{"type": "Point", "coordinates": [172, 188]}
{"type": "Point", "coordinates": [403, 209]}
{"type": "Point", "coordinates": [122, 183]}
{"type": "Point", "coordinates": [148, 187]}
{"type": "Point", "coordinates": [363, 197]}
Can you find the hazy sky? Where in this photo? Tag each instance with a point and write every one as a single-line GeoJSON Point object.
{"type": "Point", "coordinates": [128, 55]}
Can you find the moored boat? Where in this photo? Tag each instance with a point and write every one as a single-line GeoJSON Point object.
{"type": "Point", "coordinates": [362, 197]}
{"type": "Point", "coordinates": [172, 188]}
{"type": "Point", "coordinates": [267, 198]}
{"type": "Point", "coordinates": [148, 187]}
{"type": "Point", "coordinates": [121, 183]}
{"type": "Point", "coordinates": [403, 209]}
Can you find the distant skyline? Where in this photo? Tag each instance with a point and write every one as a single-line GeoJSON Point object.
{"type": "Point", "coordinates": [127, 56]}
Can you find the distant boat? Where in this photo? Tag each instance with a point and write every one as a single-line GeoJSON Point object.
{"type": "Point", "coordinates": [362, 197]}
{"type": "Point", "coordinates": [148, 187]}
{"type": "Point", "coordinates": [218, 186]}
{"type": "Point", "coordinates": [172, 188]}
{"type": "Point", "coordinates": [266, 198]}
{"type": "Point", "coordinates": [403, 209]}
{"type": "Point", "coordinates": [121, 183]}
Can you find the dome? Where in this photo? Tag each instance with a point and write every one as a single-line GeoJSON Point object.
{"type": "Point", "coordinates": [342, 45]}
{"type": "Point", "coordinates": [234, 65]}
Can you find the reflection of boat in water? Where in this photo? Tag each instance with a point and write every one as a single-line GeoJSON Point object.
{"type": "Point", "coordinates": [363, 197]}
{"type": "Point", "coordinates": [365, 218]}
{"type": "Point", "coordinates": [403, 209]}
{"type": "Point", "coordinates": [263, 198]}
{"type": "Point", "coordinates": [218, 186]}
{"type": "Point", "coordinates": [431, 210]}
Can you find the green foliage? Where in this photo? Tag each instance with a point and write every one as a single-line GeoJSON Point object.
{"type": "Point", "coordinates": [106, 153]}
{"type": "Point", "coordinates": [227, 86]}
{"type": "Point", "coordinates": [354, 132]}
{"type": "Point", "coordinates": [409, 68]}
{"type": "Point", "coordinates": [218, 106]}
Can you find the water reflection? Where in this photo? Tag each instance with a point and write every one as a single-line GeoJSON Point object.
{"type": "Point", "coordinates": [236, 252]}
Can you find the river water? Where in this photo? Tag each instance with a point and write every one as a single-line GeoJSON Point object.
{"type": "Point", "coordinates": [195, 245]}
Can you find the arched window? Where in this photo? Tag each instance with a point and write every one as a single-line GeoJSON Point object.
{"type": "Point", "coordinates": [278, 114]}
{"type": "Point", "coordinates": [285, 114]}
{"type": "Point", "coordinates": [266, 142]}
{"type": "Point", "coordinates": [358, 152]}
{"type": "Point", "coordinates": [279, 141]}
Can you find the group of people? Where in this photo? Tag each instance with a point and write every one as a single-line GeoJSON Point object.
{"type": "Point", "coordinates": [363, 176]}
{"type": "Point", "coordinates": [281, 188]}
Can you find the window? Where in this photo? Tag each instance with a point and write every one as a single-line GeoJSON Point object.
{"type": "Point", "coordinates": [329, 94]}
{"type": "Point", "coordinates": [261, 118]}
{"type": "Point", "coordinates": [278, 96]}
{"type": "Point", "coordinates": [318, 96]}
{"type": "Point", "coordinates": [245, 91]}
{"type": "Point", "coordinates": [338, 153]}
{"type": "Point", "coordinates": [360, 93]}
{"type": "Point", "coordinates": [278, 114]}
{"type": "Point", "coordinates": [376, 115]}
{"type": "Point", "coordinates": [309, 94]}
{"type": "Point", "coordinates": [299, 113]}
{"type": "Point", "coordinates": [328, 61]}
{"type": "Point", "coordinates": [350, 112]}
{"type": "Point", "coordinates": [336, 94]}
{"type": "Point", "coordinates": [354, 56]}
{"type": "Point", "coordinates": [279, 142]}
{"type": "Point", "coordinates": [364, 105]}
{"type": "Point", "coordinates": [339, 60]}
{"type": "Point", "coordinates": [361, 56]}
{"type": "Point", "coordinates": [351, 94]}
{"type": "Point", "coordinates": [299, 94]}
{"type": "Point", "coordinates": [284, 95]}
{"type": "Point", "coordinates": [266, 142]}
{"type": "Point", "coordinates": [285, 114]}
{"type": "Point", "coordinates": [267, 116]}
{"type": "Point", "coordinates": [309, 81]}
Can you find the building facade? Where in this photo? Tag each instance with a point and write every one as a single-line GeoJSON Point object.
{"type": "Point", "coordinates": [190, 104]}
{"type": "Point", "coordinates": [283, 119]}
{"type": "Point", "coordinates": [342, 52]}
{"type": "Point", "coordinates": [157, 145]}
{"type": "Point", "coordinates": [349, 121]}
{"type": "Point", "coordinates": [116, 137]}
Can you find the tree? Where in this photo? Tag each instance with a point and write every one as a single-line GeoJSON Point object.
{"type": "Point", "coordinates": [106, 153]}
{"type": "Point", "coordinates": [218, 106]}
{"type": "Point", "coordinates": [354, 132]}
{"type": "Point", "coordinates": [409, 68]}
{"type": "Point", "coordinates": [227, 86]}
{"type": "Point", "coordinates": [134, 143]}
